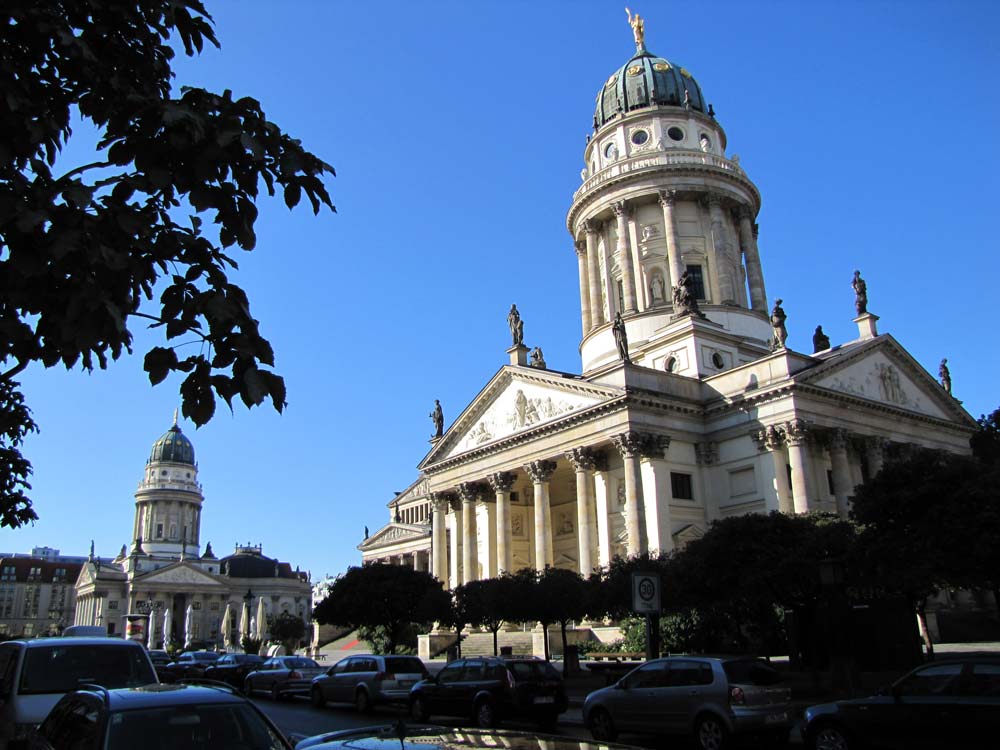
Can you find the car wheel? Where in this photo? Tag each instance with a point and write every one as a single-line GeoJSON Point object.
{"type": "Point", "coordinates": [418, 710]}
{"type": "Point", "coordinates": [362, 702]}
{"type": "Point", "coordinates": [486, 714]}
{"type": "Point", "coordinates": [317, 697]}
{"type": "Point", "coordinates": [830, 737]}
{"type": "Point", "coordinates": [602, 726]}
{"type": "Point", "coordinates": [275, 693]}
{"type": "Point", "coordinates": [711, 734]}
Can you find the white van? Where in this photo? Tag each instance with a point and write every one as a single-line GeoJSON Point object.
{"type": "Point", "coordinates": [35, 674]}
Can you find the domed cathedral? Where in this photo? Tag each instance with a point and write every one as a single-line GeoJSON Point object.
{"type": "Point", "coordinates": [164, 570]}
{"type": "Point", "coordinates": [689, 406]}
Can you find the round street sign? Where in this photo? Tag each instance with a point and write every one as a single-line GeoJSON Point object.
{"type": "Point", "coordinates": [646, 592]}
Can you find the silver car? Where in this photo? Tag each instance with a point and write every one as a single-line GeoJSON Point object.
{"type": "Point", "coordinates": [282, 675]}
{"type": "Point", "coordinates": [709, 698]}
{"type": "Point", "coordinates": [367, 680]}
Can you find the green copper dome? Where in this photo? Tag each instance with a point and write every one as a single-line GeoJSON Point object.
{"type": "Point", "coordinates": [173, 446]}
{"type": "Point", "coordinates": [646, 80]}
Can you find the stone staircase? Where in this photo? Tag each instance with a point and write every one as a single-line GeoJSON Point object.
{"type": "Point", "coordinates": [481, 644]}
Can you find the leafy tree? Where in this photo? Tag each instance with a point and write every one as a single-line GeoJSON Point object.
{"type": "Point", "coordinates": [87, 250]}
{"type": "Point", "coordinates": [250, 645]}
{"type": "Point", "coordinates": [388, 596]}
{"type": "Point", "coordinates": [985, 442]}
{"type": "Point", "coordinates": [561, 596]}
{"type": "Point", "coordinates": [486, 603]}
{"type": "Point", "coordinates": [288, 629]}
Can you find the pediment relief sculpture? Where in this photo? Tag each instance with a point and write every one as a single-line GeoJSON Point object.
{"type": "Point", "coordinates": [181, 575]}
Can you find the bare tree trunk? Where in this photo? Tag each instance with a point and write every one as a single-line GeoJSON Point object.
{"type": "Point", "coordinates": [922, 623]}
{"type": "Point", "coordinates": [496, 650]}
{"type": "Point", "coordinates": [545, 638]}
{"type": "Point", "coordinates": [562, 628]}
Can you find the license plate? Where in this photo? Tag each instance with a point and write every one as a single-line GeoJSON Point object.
{"type": "Point", "coordinates": [545, 699]}
{"type": "Point", "coordinates": [775, 718]}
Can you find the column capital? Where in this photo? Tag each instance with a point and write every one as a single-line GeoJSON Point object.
{"type": "Point", "coordinates": [620, 209]}
{"type": "Point", "coordinates": [838, 438]}
{"type": "Point", "coordinates": [540, 471]}
{"type": "Point", "coordinates": [745, 213]}
{"type": "Point", "coordinates": [581, 458]}
{"type": "Point", "coordinates": [470, 492]}
{"type": "Point", "coordinates": [713, 200]}
{"type": "Point", "coordinates": [590, 226]}
{"type": "Point", "coordinates": [581, 248]}
{"type": "Point", "coordinates": [644, 444]}
{"type": "Point", "coordinates": [439, 501]}
{"type": "Point", "coordinates": [667, 197]}
{"type": "Point", "coordinates": [797, 431]}
{"type": "Point", "coordinates": [501, 481]}
{"type": "Point", "coordinates": [706, 453]}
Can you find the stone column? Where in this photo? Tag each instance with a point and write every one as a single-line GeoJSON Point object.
{"type": "Point", "coordinates": [656, 493]}
{"type": "Point", "coordinates": [597, 316]}
{"type": "Point", "coordinates": [602, 489]}
{"type": "Point", "coordinates": [841, 470]}
{"type": "Point", "coordinates": [439, 537]}
{"type": "Point", "coordinates": [629, 444]}
{"type": "Point", "coordinates": [875, 453]}
{"type": "Point", "coordinates": [676, 265]}
{"type": "Point", "coordinates": [625, 258]}
{"type": "Point", "coordinates": [797, 435]}
{"type": "Point", "coordinates": [540, 473]}
{"type": "Point", "coordinates": [583, 464]}
{"type": "Point", "coordinates": [486, 519]}
{"type": "Point", "coordinates": [727, 284]}
{"type": "Point", "coordinates": [469, 493]}
{"type": "Point", "coordinates": [581, 262]}
{"type": "Point", "coordinates": [751, 256]}
{"type": "Point", "coordinates": [502, 482]}
{"type": "Point", "coordinates": [455, 567]}
{"type": "Point", "coordinates": [773, 440]}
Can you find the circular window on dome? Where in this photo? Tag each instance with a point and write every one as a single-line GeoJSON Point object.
{"type": "Point", "coordinates": [640, 137]}
{"type": "Point", "coordinates": [671, 364]}
{"type": "Point", "coordinates": [661, 67]}
{"type": "Point", "coordinates": [635, 70]}
{"type": "Point", "coordinates": [611, 151]}
{"type": "Point", "coordinates": [675, 133]}
{"type": "Point", "coordinates": [718, 361]}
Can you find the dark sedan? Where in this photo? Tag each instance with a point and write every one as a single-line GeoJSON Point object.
{"type": "Point", "coordinates": [188, 664]}
{"type": "Point", "coordinates": [283, 675]}
{"type": "Point", "coordinates": [233, 668]}
{"type": "Point", "coordinates": [489, 689]}
{"type": "Point", "coordinates": [953, 703]}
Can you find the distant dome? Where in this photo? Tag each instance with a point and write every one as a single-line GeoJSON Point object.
{"type": "Point", "coordinates": [643, 81]}
{"type": "Point", "coordinates": [174, 447]}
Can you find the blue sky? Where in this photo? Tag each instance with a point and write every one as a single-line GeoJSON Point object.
{"type": "Point", "coordinates": [457, 131]}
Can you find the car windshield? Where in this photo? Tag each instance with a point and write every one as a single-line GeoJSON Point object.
{"type": "Point", "coordinates": [300, 664]}
{"type": "Point", "coordinates": [60, 669]}
{"type": "Point", "coordinates": [195, 727]}
{"type": "Point", "coordinates": [532, 670]}
{"type": "Point", "coordinates": [247, 659]}
{"type": "Point", "coordinates": [751, 672]}
{"type": "Point", "coordinates": [404, 664]}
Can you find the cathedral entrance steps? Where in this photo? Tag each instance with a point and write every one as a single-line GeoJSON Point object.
{"type": "Point", "coordinates": [481, 644]}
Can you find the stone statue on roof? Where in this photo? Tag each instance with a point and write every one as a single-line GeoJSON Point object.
{"type": "Point", "coordinates": [860, 293]}
{"type": "Point", "coordinates": [821, 341]}
{"type": "Point", "coordinates": [945, 374]}
{"type": "Point", "coordinates": [516, 326]}
{"type": "Point", "coordinates": [437, 416]}
{"type": "Point", "coordinates": [778, 318]}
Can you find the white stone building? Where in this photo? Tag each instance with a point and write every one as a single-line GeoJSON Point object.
{"type": "Point", "coordinates": [709, 415]}
{"type": "Point", "coordinates": [163, 568]}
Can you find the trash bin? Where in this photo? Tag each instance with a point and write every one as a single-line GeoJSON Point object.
{"type": "Point", "coordinates": [506, 651]}
{"type": "Point", "coordinates": [571, 660]}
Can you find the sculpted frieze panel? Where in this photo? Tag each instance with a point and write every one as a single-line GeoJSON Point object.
{"type": "Point", "coordinates": [879, 378]}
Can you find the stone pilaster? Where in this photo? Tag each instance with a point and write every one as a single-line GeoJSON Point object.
{"type": "Point", "coordinates": [502, 483]}
{"type": "Point", "coordinates": [455, 548]}
{"type": "Point", "coordinates": [875, 453]}
{"type": "Point", "coordinates": [631, 445]}
{"type": "Point", "coordinates": [654, 474]}
{"type": "Point", "coordinates": [597, 316]}
{"type": "Point", "coordinates": [583, 464]}
{"type": "Point", "coordinates": [751, 257]}
{"type": "Point", "coordinates": [540, 473]}
{"type": "Point", "coordinates": [772, 439]}
{"type": "Point", "coordinates": [625, 257]}
{"type": "Point", "coordinates": [469, 493]}
{"type": "Point", "coordinates": [674, 261]}
{"type": "Point", "coordinates": [581, 263]}
{"type": "Point", "coordinates": [720, 241]}
{"type": "Point", "coordinates": [439, 537]}
{"type": "Point", "coordinates": [797, 437]}
{"type": "Point", "coordinates": [842, 489]}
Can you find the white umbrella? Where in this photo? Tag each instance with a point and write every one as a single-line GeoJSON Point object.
{"type": "Point", "coordinates": [244, 622]}
{"type": "Point", "coordinates": [227, 628]}
{"type": "Point", "coordinates": [261, 620]}
{"type": "Point", "coordinates": [188, 624]}
{"type": "Point", "coordinates": [167, 622]}
{"type": "Point", "coordinates": [150, 638]}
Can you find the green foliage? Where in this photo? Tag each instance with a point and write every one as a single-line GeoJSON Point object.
{"type": "Point", "coordinates": [985, 442]}
{"type": "Point", "coordinates": [388, 596]}
{"type": "Point", "coordinates": [403, 641]}
{"type": "Point", "coordinates": [85, 253]}
{"type": "Point", "coordinates": [289, 629]}
{"type": "Point", "coordinates": [251, 645]}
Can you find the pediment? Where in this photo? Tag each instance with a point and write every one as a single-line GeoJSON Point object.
{"type": "Point", "coordinates": [884, 372]}
{"type": "Point", "coordinates": [393, 534]}
{"type": "Point", "coordinates": [181, 573]}
{"type": "Point", "coordinates": [516, 400]}
{"type": "Point", "coordinates": [86, 575]}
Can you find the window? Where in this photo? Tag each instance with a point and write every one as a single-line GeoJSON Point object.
{"type": "Point", "coordinates": [650, 675]}
{"type": "Point", "coordinates": [671, 364]}
{"type": "Point", "coordinates": [829, 481]}
{"type": "Point", "coordinates": [159, 531]}
{"type": "Point", "coordinates": [934, 680]}
{"type": "Point", "coordinates": [985, 680]}
{"type": "Point", "coordinates": [35, 574]}
{"type": "Point", "coordinates": [9, 573]}
{"type": "Point", "coordinates": [686, 673]}
{"type": "Point", "coordinates": [113, 605]}
{"type": "Point", "coordinates": [675, 133]}
{"type": "Point", "coordinates": [697, 281]}
{"type": "Point", "coordinates": [639, 137]}
{"type": "Point", "coordinates": [680, 486]}
{"type": "Point", "coordinates": [59, 574]}
{"type": "Point", "coordinates": [451, 673]}
{"type": "Point", "coordinates": [195, 605]}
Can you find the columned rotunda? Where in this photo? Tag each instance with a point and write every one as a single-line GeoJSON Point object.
{"type": "Point", "coordinates": [688, 407]}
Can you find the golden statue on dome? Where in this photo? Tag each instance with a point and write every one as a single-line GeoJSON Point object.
{"type": "Point", "coordinates": [638, 28]}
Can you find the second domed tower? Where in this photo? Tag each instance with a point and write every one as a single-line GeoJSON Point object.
{"type": "Point", "coordinates": [659, 198]}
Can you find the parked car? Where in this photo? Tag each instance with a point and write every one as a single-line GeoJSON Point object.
{"type": "Point", "coordinates": [709, 698]}
{"type": "Point", "coordinates": [233, 668]}
{"type": "Point", "coordinates": [192, 717]}
{"type": "Point", "coordinates": [953, 703]}
{"type": "Point", "coordinates": [490, 689]}
{"type": "Point", "coordinates": [441, 738]}
{"type": "Point", "coordinates": [283, 675]}
{"type": "Point", "coordinates": [159, 657]}
{"type": "Point", "coordinates": [367, 680]}
{"type": "Point", "coordinates": [187, 664]}
{"type": "Point", "coordinates": [35, 674]}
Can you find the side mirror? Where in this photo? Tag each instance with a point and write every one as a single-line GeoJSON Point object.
{"type": "Point", "coordinates": [620, 685]}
